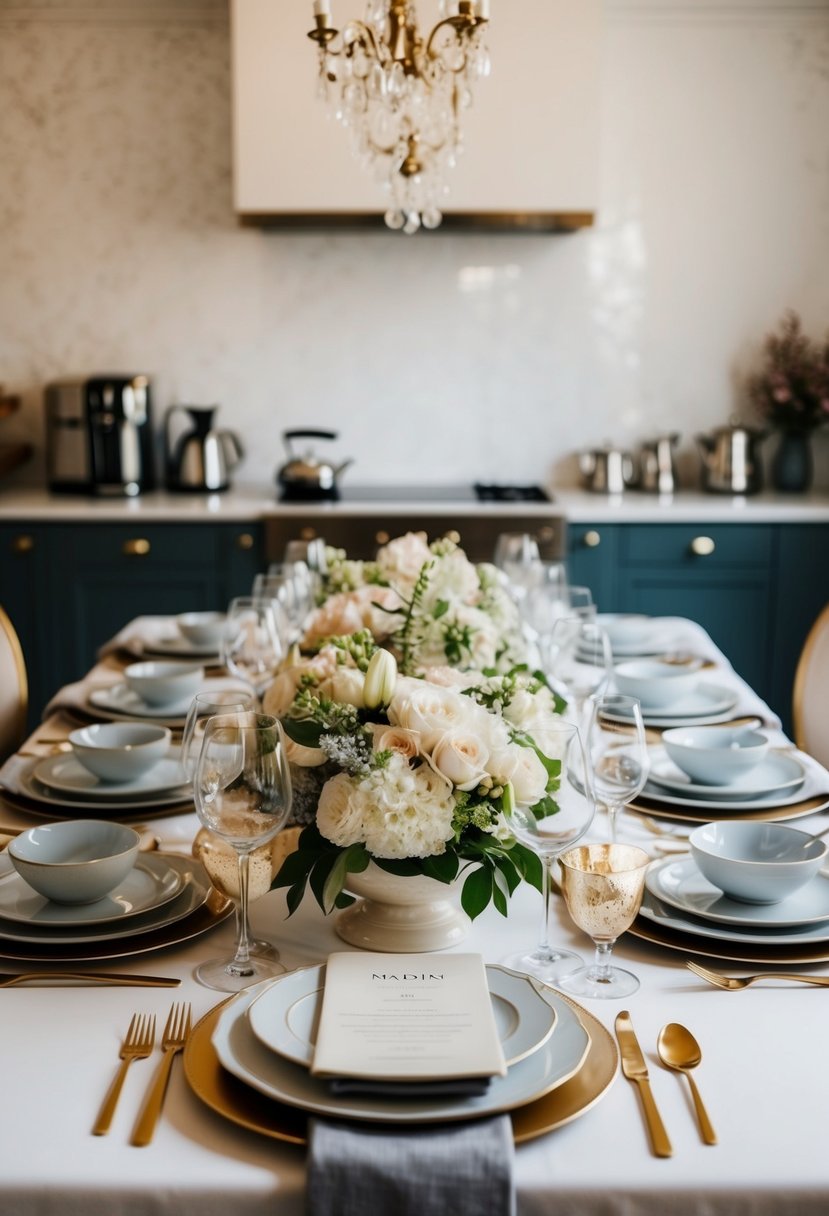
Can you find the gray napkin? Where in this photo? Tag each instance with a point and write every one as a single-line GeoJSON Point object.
{"type": "Point", "coordinates": [455, 1169]}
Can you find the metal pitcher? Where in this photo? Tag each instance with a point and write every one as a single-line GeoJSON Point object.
{"type": "Point", "coordinates": [730, 460]}
{"type": "Point", "coordinates": [606, 470]}
{"type": "Point", "coordinates": [657, 471]}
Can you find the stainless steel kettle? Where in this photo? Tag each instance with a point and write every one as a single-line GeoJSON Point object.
{"type": "Point", "coordinates": [201, 458]}
{"type": "Point", "coordinates": [730, 460]}
{"type": "Point", "coordinates": [657, 472]}
{"type": "Point", "coordinates": [306, 477]}
{"type": "Point", "coordinates": [606, 470]}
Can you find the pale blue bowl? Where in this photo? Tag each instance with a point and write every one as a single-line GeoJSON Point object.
{"type": "Point", "coordinates": [757, 863]}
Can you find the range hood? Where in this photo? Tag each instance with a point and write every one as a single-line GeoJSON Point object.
{"type": "Point", "coordinates": [531, 139]}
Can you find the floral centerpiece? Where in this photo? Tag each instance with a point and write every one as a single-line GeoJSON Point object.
{"type": "Point", "coordinates": [427, 603]}
{"type": "Point", "coordinates": [792, 389]}
{"type": "Point", "coordinates": [411, 773]}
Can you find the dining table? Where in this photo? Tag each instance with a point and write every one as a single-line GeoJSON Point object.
{"type": "Point", "coordinates": [764, 1072]}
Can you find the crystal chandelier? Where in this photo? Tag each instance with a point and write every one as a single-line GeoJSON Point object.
{"type": "Point", "coordinates": [402, 95]}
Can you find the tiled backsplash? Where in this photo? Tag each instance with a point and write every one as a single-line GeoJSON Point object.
{"type": "Point", "coordinates": [438, 357]}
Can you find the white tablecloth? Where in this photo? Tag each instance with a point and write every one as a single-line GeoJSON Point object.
{"type": "Point", "coordinates": [764, 1078]}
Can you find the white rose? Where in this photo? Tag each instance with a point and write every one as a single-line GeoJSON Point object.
{"type": "Point", "coordinates": [529, 778]}
{"type": "Point", "coordinates": [396, 739]}
{"type": "Point", "coordinates": [461, 759]}
{"type": "Point", "coordinates": [345, 686]}
{"type": "Point", "coordinates": [279, 696]}
{"type": "Point", "coordinates": [339, 814]}
{"type": "Point", "coordinates": [430, 710]}
{"type": "Point", "coordinates": [402, 559]}
{"type": "Point", "coordinates": [453, 677]}
{"type": "Point", "coordinates": [304, 757]}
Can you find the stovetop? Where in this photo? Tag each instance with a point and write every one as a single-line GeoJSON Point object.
{"type": "Point", "coordinates": [475, 492]}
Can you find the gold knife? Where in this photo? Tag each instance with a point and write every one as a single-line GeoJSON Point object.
{"type": "Point", "coordinates": [636, 1070]}
{"type": "Point", "coordinates": [114, 978]}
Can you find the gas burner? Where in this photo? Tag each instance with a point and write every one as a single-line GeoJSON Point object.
{"type": "Point", "coordinates": [487, 492]}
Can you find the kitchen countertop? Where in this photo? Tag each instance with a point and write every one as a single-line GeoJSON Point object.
{"type": "Point", "coordinates": [251, 503]}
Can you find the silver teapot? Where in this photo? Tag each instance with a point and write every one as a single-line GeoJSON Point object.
{"type": "Point", "coordinates": [730, 460]}
{"type": "Point", "coordinates": [606, 470]}
{"type": "Point", "coordinates": [657, 471]}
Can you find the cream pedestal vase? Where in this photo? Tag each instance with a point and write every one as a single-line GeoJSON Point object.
{"type": "Point", "coordinates": [402, 915]}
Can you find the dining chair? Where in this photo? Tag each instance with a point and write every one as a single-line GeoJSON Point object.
{"type": "Point", "coordinates": [14, 689]}
{"type": "Point", "coordinates": [809, 708]}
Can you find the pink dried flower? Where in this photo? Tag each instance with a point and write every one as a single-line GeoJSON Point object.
{"type": "Point", "coordinates": [793, 388]}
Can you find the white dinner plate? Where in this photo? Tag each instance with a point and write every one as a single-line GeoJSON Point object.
{"type": "Point", "coordinates": [774, 775]}
{"type": "Point", "coordinates": [174, 646]}
{"type": "Point", "coordinates": [68, 775]}
{"type": "Point", "coordinates": [62, 806]}
{"type": "Point", "coordinates": [242, 1055]}
{"type": "Point", "coordinates": [654, 910]}
{"type": "Point", "coordinates": [116, 701]}
{"type": "Point", "coordinates": [284, 1017]}
{"type": "Point", "coordinates": [151, 883]}
{"type": "Point", "coordinates": [679, 884]}
{"type": "Point", "coordinates": [707, 704]}
{"type": "Point", "coordinates": [192, 895]}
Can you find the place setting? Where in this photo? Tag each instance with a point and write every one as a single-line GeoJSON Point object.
{"type": "Point", "coordinates": [702, 772]}
{"type": "Point", "coordinates": [80, 890]}
{"type": "Point", "coordinates": [748, 892]}
{"type": "Point", "coordinates": [187, 635]}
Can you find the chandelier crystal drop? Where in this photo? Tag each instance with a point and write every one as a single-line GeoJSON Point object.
{"type": "Point", "coordinates": [402, 95]}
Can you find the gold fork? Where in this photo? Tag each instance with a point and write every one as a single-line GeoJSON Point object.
{"type": "Point", "coordinates": [734, 983]}
{"type": "Point", "coordinates": [172, 1041]}
{"type": "Point", "coordinates": [136, 1046]}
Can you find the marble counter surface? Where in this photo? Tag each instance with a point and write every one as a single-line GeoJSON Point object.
{"type": "Point", "coordinates": [249, 503]}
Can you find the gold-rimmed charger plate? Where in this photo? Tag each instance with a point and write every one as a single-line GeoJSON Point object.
{"type": "Point", "coordinates": [687, 814]}
{"type": "Point", "coordinates": [730, 951]}
{"type": "Point", "coordinates": [246, 1107]}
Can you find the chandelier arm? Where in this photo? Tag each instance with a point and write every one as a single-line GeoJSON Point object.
{"type": "Point", "coordinates": [459, 25]}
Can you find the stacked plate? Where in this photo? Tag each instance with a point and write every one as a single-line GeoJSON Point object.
{"type": "Point", "coordinates": [60, 787]}
{"type": "Point", "coordinates": [783, 786]}
{"type": "Point", "coordinates": [560, 1061]}
{"type": "Point", "coordinates": [165, 899]}
{"type": "Point", "coordinates": [707, 704]}
{"type": "Point", "coordinates": [114, 702]}
{"type": "Point", "coordinates": [683, 911]}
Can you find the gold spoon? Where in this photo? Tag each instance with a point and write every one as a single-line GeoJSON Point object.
{"type": "Point", "coordinates": [679, 1049]}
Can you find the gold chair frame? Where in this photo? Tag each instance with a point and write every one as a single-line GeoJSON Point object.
{"type": "Point", "coordinates": [803, 664]}
{"type": "Point", "coordinates": [6, 628]}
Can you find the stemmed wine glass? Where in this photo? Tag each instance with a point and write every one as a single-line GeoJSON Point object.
{"type": "Point", "coordinates": [602, 885]}
{"type": "Point", "coordinates": [562, 819]}
{"type": "Point", "coordinates": [618, 752]}
{"type": "Point", "coordinates": [255, 641]}
{"type": "Point", "coordinates": [577, 655]}
{"type": "Point", "coordinates": [242, 790]}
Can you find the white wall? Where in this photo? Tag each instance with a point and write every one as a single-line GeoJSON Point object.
{"type": "Point", "coordinates": [438, 357]}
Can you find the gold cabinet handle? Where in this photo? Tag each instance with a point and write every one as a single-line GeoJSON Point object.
{"type": "Point", "coordinates": [381, 538]}
{"type": "Point", "coordinates": [23, 544]}
{"type": "Point", "coordinates": [592, 539]}
{"type": "Point", "coordinates": [702, 546]}
{"type": "Point", "coordinates": [139, 547]}
{"type": "Point", "coordinates": [307, 534]}
{"type": "Point", "coordinates": [244, 541]}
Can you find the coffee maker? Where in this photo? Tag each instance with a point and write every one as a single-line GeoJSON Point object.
{"type": "Point", "coordinates": [99, 437]}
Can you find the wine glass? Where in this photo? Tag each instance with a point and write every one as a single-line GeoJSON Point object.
{"type": "Point", "coordinates": [518, 548]}
{"type": "Point", "coordinates": [242, 792]}
{"type": "Point", "coordinates": [203, 706]}
{"type": "Point", "coordinates": [617, 750]}
{"type": "Point", "coordinates": [253, 645]}
{"type": "Point", "coordinates": [602, 885]}
{"type": "Point", "coordinates": [550, 830]}
{"type": "Point", "coordinates": [577, 654]}
{"type": "Point", "coordinates": [290, 599]}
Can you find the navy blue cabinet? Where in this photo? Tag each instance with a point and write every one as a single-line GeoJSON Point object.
{"type": "Point", "coordinates": [756, 588]}
{"type": "Point", "coordinates": [70, 587]}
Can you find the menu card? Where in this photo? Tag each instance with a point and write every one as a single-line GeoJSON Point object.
{"type": "Point", "coordinates": [407, 1017]}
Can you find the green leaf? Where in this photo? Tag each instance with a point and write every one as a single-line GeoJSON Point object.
{"type": "Point", "coordinates": [477, 892]}
{"type": "Point", "coordinates": [506, 867]}
{"type": "Point", "coordinates": [344, 901]}
{"type": "Point", "coordinates": [499, 896]}
{"type": "Point", "coordinates": [405, 867]}
{"type": "Point", "coordinates": [528, 864]}
{"type": "Point", "coordinates": [318, 877]}
{"type": "Point", "coordinates": [334, 883]}
{"type": "Point", "coordinates": [295, 868]}
{"type": "Point", "coordinates": [294, 897]}
{"type": "Point", "coordinates": [303, 731]}
{"type": "Point", "coordinates": [443, 868]}
{"type": "Point", "coordinates": [441, 608]}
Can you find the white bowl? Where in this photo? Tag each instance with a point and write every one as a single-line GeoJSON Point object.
{"type": "Point", "coordinates": [202, 628]}
{"type": "Point", "coordinates": [120, 751]}
{"type": "Point", "coordinates": [655, 683]}
{"type": "Point", "coordinates": [715, 755]}
{"type": "Point", "coordinates": [77, 861]}
{"type": "Point", "coordinates": [164, 683]}
{"type": "Point", "coordinates": [625, 628]}
{"type": "Point", "coordinates": [757, 863]}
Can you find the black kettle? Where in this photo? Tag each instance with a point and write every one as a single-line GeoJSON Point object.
{"type": "Point", "coordinates": [199, 459]}
{"type": "Point", "coordinates": [305, 477]}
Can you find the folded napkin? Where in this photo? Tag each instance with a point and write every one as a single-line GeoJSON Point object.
{"type": "Point", "coordinates": [455, 1169]}
{"type": "Point", "coordinates": [75, 697]}
{"type": "Point", "coordinates": [452, 1087]}
{"type": "Point", "coordinates": [139, 633]}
